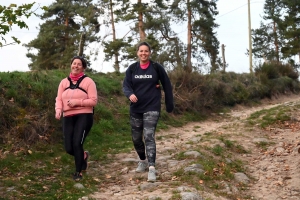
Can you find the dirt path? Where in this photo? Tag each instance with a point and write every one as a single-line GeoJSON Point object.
{"type": "Point", "coordinates": [273, 172]}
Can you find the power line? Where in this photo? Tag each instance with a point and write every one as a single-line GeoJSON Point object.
{"type": "Point", "coordinates": [23, 32]}
{"type": "Point", "coordinates": [179, 32]}
{"type": "Point", "coordinates": [230, 12]}
{"type": "Point", "coordinates": [239, 8]}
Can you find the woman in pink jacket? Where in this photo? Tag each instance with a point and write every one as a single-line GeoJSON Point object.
{"type": "Point", "coordinates": [75, 101]}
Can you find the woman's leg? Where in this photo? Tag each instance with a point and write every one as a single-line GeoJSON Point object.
{"type": "Point", "coordinates": [82, 127]}
{"type": "Point", "coordinates": [150, 120]}
{"type": "Point", "coordinates": [68, 127]}
{"type": "Point", "coordinates": [136, 122]}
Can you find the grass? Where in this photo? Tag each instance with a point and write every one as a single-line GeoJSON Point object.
{"type": "Point", "coordinates": [218, 150]}
{"type": "Point", "coordinates": [176, 196]}
{"type": "Point", "coordinates": [263, 145]}
{"type": "Point", "coordinates": [35, 165]}
{"type": "Point", "coordinates": [43, 174]}
{"type": "Point", "coordinates": [266, 117]}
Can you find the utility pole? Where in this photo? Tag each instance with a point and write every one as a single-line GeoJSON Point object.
{"type": "Point", "coordinates": [250, 38]}
{"type": "Point", "coordinates": [223, 56]}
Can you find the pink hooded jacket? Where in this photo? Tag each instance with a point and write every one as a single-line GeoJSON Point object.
{"type": "Point", "coordinates": [84, 101]}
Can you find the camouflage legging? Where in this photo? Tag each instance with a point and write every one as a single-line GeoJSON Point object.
{"type": "Point", "coordinates": [144, 123]}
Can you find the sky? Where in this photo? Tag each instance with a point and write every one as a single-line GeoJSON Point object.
{"type": "Point", "coordinates": [233, 32]}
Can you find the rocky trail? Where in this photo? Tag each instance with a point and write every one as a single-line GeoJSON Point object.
{"type": "Point", "coordinates": [270, 173]}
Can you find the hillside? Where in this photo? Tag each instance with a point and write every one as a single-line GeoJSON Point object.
{"type": "Point", "coordinates": [269, 155]}
{"type": "Point", "coordinates": [33, 157]}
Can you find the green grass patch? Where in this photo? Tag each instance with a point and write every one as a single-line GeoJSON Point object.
{"type": "Point", "coordinates": [267, 117]}
{"type": "Point", "coordinates": [263, 145]}
{"type": "Point", "coordinates": [218, 150]}
{"type": "Point", "coordinates": [41, 175]}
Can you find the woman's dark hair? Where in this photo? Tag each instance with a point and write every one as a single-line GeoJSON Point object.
{"type": "Point", "coordinates": [82, 60]}
{"type": "Point", "coordinates": [144, 43]}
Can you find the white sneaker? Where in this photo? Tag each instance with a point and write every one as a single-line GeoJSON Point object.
{"type": "Point", "coordinates": [141, 167]}
{"type": "Point", "coordinates": [151, 175]}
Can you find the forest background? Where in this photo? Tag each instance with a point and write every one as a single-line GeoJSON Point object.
{"type": "Point", "coordinates": [179, 30]}
{"type": "Point", "coordinates": [200, 82]}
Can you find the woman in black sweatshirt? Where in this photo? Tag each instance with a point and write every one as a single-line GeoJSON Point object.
{"type": "Point", "coordinates": [141, 87]}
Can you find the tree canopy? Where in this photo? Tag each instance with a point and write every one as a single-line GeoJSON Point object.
{"type": "Point", "coordinates": [13, 15]}
{"type": "Point", "coordinates": [67, 25]}
{"type": "Point", "coordinates": [277, 39]}
{"type": "Point", "coordinates": [159, 22]}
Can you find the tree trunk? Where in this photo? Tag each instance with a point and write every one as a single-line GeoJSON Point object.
{"type": "Point", "coordinates": [141, 23]}
{"type": "Point", "coordinates": [189, 38]}
{"type": "Point", "coordinates": [116, 65]}
{"type": "Point", "coordinates": [66, 37]}
{"type": "Point", "coordinates": [276, 41]}
{"type": "Point", "coordinates": [81, 44]}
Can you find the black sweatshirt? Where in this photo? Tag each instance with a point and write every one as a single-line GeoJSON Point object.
{"type": "Point", "coordinates": [142, 83]}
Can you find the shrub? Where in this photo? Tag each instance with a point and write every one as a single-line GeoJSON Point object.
{"type": "Point", "coordinates": [275, 70]}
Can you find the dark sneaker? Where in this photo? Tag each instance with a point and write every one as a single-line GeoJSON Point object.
{"type": "Point", "coordinates": [77, 176]}
{"type": "Point", "coordinates": [85, 163]}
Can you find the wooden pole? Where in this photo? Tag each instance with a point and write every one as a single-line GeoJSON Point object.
{"type": "Point", "coordinates": [223, 56]}
{"type": "Point", "coordinates": [250, 39]}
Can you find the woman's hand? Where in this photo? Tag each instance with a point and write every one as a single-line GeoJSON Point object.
{"type": "Point", "coordinates": [58, 114]}
{"type": "Point", "coordinates": [74, 102]}
{"type": "Point", "coordinates": [133, 98]}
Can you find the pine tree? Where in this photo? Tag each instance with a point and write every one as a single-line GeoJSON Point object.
{"type": "Point", "coordinates": [291, 28]}
{"type": "Point", "coordinates": [267, 40]}
{"type": "Point", "coordinates": [112, 45]}
{"type": "Point", "coordinates": [201, 36]}
{"type": "Point", "coordinates": [153, 22]}
{"type": "Point", "coordinates": [168, 47]}
{"type": "Point", "coordinates": [59, 37]}
{"type": "Point", "coordinates": [142, 16]}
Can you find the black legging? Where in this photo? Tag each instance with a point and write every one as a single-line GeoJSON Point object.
{"type": "Point", "coordinates": [144, 124]}
{"type": "Point", "coordinates": [75, 129]}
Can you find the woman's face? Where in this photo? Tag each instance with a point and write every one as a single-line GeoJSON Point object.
{"type": "Point", "coordinates": [144, 54]}
{"type": "Point", "coordinates": [76, 67]}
